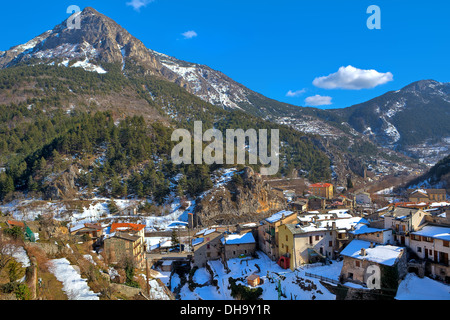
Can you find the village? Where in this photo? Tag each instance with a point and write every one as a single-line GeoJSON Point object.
{"type": "Point", "coordinates": [323, 246]}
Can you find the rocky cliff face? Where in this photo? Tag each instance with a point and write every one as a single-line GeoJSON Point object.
{"type": "Point", "coordinates": [99, 40]}
{"type": "Point", "coordinates": [251, 200]}
{"type": "Point", "coordinates": [63, 186]}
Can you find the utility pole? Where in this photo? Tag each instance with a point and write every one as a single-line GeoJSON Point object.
{"type": "Point", "coordinates": [146, 276]}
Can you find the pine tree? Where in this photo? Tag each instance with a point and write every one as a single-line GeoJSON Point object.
{"type": "Point", "coordinates": [174, 239]}
{"type": "Point", "coordinates": [112, 207]}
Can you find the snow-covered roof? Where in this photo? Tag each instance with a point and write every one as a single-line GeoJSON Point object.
{"type": "Point", "coordinates": [250, 225]}
{"type": "Point", "coordinates": [441, 233]}
{"type": "Point", "coordinates": [361, 228]}
{"type": "Point", "coordinates": [382, 209]}
{"type": "Point", "coordinates": [420, 190]}
{"type": "Point", "coordinates": [382, 254]}
{"type": "Point", "coordinates": [344, 223]}
{"type": "Point", "coordinates": [440, 204]}
{"type": "Point", "coordinates": [205, 232]}
{"type": "Point", "coordinates": [238, 238]}
{"type": "Point", "coordinates": [278, 216]}
{"type": "Point", "coordinates": [311, 228]}
{"type": "Point", "coordinates": [197, 241]}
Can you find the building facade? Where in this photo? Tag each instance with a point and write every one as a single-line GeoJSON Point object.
{"type": "Point", "coordinates": [324, 190]}
{"type": "Point", "coordinates": [432, 244]}
{"type": "Point", "coordinates": [268, 232]}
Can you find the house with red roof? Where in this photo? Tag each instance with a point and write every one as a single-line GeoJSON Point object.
{"type": "Point", "coordinates": [324, 190]}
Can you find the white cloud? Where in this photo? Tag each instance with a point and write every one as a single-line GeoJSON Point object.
{"type": "Point", "coordinates": [189, 34]}
{"type": "Point", "coordinates": [318, 100]}
{"type": "Point", "coordinates": [295, 93]}
{"type": "Point", "coordinates": [137, 4]}
{"type": "Point", "coordinates": [353, 79]}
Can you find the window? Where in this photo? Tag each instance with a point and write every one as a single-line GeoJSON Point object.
{"type": "Point", "coordinates": [330, 244]}
{"type": "Point", "coordinates": [446, 243]}
{"type": "Point", "coordinates": [357, 263]}
{"type": "Point", "coordinates": [286, 238]}
{"type": "Point", "coordinates": [419, 249]}
{"type": "Point", "coordinates": [317, 237]}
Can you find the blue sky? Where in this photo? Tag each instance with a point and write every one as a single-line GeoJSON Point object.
{"type": "Point", "coordinates": [299, 52]}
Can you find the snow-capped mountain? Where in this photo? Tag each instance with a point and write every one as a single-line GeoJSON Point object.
{"type": "Point", "coordinates": [102, 41]}
{"type": "Point", "coordinates": [413, 119]}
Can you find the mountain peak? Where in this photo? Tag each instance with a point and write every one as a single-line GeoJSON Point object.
{"type": "Point", "coordinates": [90, 10]}
{"type": "Point", "coordinates": [421, 85]}
{"type": "Point", "coordinates": [99, 39]}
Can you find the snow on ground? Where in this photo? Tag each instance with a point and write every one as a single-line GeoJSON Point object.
{"type": "Point", "coordinates": [18, 253]}
{"type": "Point", "coordinates": [268, 271]}
{"type": "Point", "coordinates": [385, 191]}
{"type": "Point", "coordinates": [415, 288]}
{"type": "Point", "coordinates": [96, 209]}
{"type": "Point", "coordinates": [411, 288]}
{"type": "Point", "coordinates": [89, 258]}
{"type": "Point", "coordinates": [156, 291]}
{"type": "Point", "coordinates": [74, 286]}
{"type": "Point", "coordinates": [201, 276]}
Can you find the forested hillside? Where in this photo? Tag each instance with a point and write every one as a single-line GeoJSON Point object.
{"type": "Point", "coordinates": [116, 131]}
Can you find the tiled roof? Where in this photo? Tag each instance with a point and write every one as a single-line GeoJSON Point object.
{"type": "Point", "coordinates": [127, 226]}
{"type": "Point", "coordinates": [320, 185]}
{"type": "Point", "coordinates": [16, 223]}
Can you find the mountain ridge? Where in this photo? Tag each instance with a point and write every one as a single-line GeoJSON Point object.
{"type": "Point", "coordinates": [101, 41]}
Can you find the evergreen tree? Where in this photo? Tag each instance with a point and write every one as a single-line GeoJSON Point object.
{"type": "Point", "coordinates": [112, 207]}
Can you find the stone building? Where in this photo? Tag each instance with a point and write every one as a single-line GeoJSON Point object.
{"type": "Point", "coordinates": [363, 198]}
{"type": "Point", "coordinates": [432, 244]}
{"type": "Point", "coordinates": [359, 255]}
{"type": "Point", "coordinates": [207, 246]}
{"type": "Point", "coordinates": [324, 190]}
{"type": "Point", "coordinates": [238, 245]}
{"type": "Point", "coordinates": [126, 240]}
{"type": "Point", "coordinates": [122, 245]}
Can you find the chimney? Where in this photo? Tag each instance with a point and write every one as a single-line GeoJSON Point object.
{"type": "Point", "coordinates": [371, 244]}
{"type": "Point", "coordinates": [363, 252]}
{"type": "Point", "coordinates": [333, 225]}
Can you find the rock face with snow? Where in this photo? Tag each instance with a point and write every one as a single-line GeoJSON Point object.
{"type": "Point", "coordinates": [406, 119]}
{"type": "Point", "coordinates": [102, 41]}
{"type": "Point", "coordinates": [249, 201]}
{"type": "Point", "coordinates": [413, 120]}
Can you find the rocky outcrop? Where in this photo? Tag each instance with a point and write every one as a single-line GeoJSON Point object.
{"type": "Point", "coordinates": [63, 186]}
{"type": "Point", "coordinates": [251, 200]}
